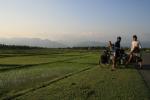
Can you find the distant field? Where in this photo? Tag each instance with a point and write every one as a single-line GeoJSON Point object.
{"type": "Point", "coordinates": [54, 74]}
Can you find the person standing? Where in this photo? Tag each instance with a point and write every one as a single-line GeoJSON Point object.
{"type": "Point", "coordinates": [116, 52]}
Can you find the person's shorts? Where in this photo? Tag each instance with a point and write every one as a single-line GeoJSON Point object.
{"type": "Point", "coordinates": [116, 53]}
{"type": "Point", "coordinates": [136, 50]}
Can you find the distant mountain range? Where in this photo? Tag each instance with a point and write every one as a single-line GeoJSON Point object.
{"type": "Point", "coordinates": [32, 42]}
{"type": "Point", "coordinates": [54, 44]}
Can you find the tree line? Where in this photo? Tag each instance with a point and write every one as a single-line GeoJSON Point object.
{"type": "Point", "coordinates": [4, 46]}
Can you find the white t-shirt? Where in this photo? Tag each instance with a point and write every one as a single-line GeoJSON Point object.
{"type": "Point", "coordinates": [135, 44]}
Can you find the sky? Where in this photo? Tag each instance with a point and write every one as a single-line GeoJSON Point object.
{"type": "Point", "coordinates": [75, 20]}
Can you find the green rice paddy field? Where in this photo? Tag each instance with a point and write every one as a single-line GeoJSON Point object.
{"type": "Point", "coordinates": [58, 74]}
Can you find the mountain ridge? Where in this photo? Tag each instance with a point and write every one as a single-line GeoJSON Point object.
{"type": "Point", "coordinates": [37, 42]}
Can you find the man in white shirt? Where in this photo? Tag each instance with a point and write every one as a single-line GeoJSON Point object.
{"type": "Point", "coordinates": [135, 48]}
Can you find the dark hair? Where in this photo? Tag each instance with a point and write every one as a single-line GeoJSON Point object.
{"type": "Point", "coordinates": [118, 38]}
{"type": "Point", "coordinates": [135, 37]}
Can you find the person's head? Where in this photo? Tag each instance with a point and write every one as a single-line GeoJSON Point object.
{"type": "Point", "coordinates": [134, 38]}
{"type": "Point", "coordinates": [119, 39]}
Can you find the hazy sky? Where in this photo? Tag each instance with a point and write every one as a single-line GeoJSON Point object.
{"type": "Point", "coordinates": [74, 19]}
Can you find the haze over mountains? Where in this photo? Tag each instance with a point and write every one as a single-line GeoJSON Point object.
{"type": "Point", "coordinates": [61, 44]}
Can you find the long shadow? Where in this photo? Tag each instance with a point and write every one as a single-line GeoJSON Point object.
{"type": "Point", "coordinates": [130, 66]}
{"type": "Point", "coordinates": [146, 67]}
{"type": "Point", "coordinates": [135, 66]}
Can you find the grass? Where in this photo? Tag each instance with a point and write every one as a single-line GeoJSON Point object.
{"type": "Point", "coordinates": [95, 84]}
{"type": "Point", "coordinates": [22, 79]}
{"type": "Point", "coordinates": [53, 74]}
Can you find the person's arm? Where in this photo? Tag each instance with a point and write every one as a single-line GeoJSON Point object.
{"type": "Point", "coordinates": [110, 45]}
{"type": "Point", "coordinates": [132, 46]}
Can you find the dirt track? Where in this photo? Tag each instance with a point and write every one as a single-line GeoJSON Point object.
{"type": "Point", "coordinates": [145, 72]}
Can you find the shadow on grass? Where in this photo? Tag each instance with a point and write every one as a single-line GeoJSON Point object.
{"type": "Point", "coordinates": [120, 66]}
{"type": "Point", "coordinates": [146, 67]}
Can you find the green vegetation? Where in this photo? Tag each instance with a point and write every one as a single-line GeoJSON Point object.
{"type": "Point", "coordinates": [54, 74]}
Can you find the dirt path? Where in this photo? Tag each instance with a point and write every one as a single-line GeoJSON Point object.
{"type": "Point", "coordinates": [145, 72]}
